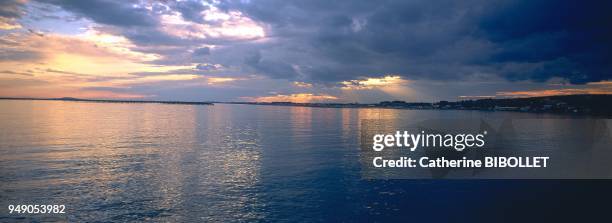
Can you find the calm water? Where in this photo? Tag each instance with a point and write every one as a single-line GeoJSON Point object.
{"type": "Point", "coordinates": [172, 163]}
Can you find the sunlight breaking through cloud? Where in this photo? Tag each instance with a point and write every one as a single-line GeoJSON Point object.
{"type": "Point", "coordinates": [370, 83]}
{"type": "Point", "coordinates": [295, 98]}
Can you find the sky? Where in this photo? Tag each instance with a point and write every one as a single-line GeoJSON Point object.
{"type": "Point", "coordinates": [304, 51]}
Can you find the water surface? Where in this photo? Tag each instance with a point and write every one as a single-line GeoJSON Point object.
{"type": "Point", "coordinates": [190, 163]}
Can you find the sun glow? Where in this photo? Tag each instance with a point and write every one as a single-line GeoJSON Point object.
{"type": "Point", "coordinates": [220, 80]}
{"type": "Point", "coordinates": [63, 64]}
{"type": "Point", "coordinates": [302, 84]}
{"type": "Point", "coordinates": [371, 83]}
{"type": "Point", "coordinates": [115, 44]}
{"type": "Point", "coordinates": [295, 98]}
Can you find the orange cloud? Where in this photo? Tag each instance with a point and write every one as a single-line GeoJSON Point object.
{"type": "Point", "coordinates": [8, 24]}
{"type": "Point", "coordinates": [63, 64]}
{"type": "Point", "coordinates": [89, 45]}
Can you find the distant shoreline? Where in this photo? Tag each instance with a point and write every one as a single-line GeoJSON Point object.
{"type": "Point", "coordinates": [597, 105]}
{"type": "Point", "coordinates": [111, 101]}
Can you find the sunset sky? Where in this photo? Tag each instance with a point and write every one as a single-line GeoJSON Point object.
{"type": "Point", "coordinates": [304, 51]}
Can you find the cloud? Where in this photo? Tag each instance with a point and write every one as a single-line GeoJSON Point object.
{"type": "Point", "coordinates": [17, 73]}
{"type": "Point", "coordinates": [33, 47]}
{"type": "Point", "coordinates": [342, 41]}
{"type": "Point", "coordinates": [209, 67]}
{"type": "Point", "coordinates": [108, 89]}
{"type": "Point", "coordinates": [296, 98]}
{"type": "Point", "coordinates": [440, 40]}
{"type": "Point", "coordinates": [272, 68]}
{"type": "Point", "coordinates": [11, 8]}
{"type": "Point", "coordinates": [10, 11]}
{"type": "Point", "coordinates": [328, 47]}
{"type": "Point", "coordinates": [220, 80]}
{"type": "Point", "coordinates": [576, 46]}
{"type": "Point", "coordinates": [19, 55]}
{"type": "Point", "coordinates": [8, 83]}
{"type": "Point", "coordinates": [369, 83]}
{"type": "Point", "coordinates": [181, 33]}
{"type": "Point", "coordinates": [302, 84]}
{"type": "Point", "coordinates": [8, 24]}
{"type": "Point", "coordinates": [192, 10]}
{"type": "Point", "coordinates": [201, 51]}
{"type": "Point", "coordinates": [116, 13]}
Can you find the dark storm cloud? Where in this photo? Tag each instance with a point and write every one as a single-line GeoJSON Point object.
{"type": "Point", "coordinates": [273, 68]}
{"type": "Point", "coordinates": [575, 38]}
{"type": "Point", "coordinates": [191, 10]}
{"type": "Point", "coordinates": [353, 39]}
{"type": "Point", "coordinates": [108, 12]}
{"type": "Point", "coordinates": [200, 54]}
{"type": "Point", "coordinates": [528, 40]}
{"type": "Point", "coordinates": [201, 51]}
{"type": "Point", "coordinates": [208, 67]}
{"type": "Point", "coordinates": [152, 36]}
{"type": "Point", "coordinates": [321, 41]}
